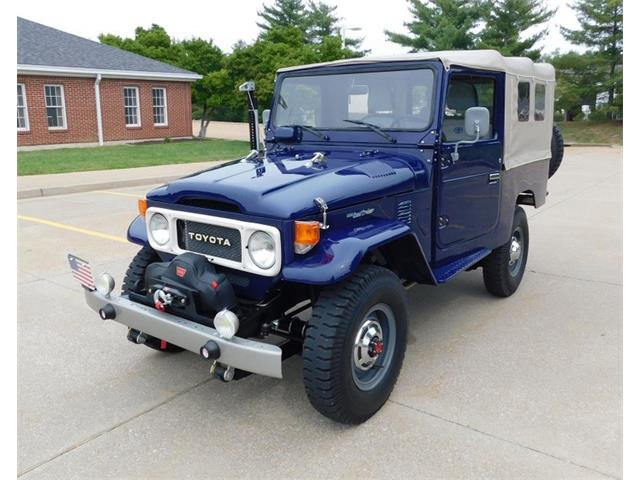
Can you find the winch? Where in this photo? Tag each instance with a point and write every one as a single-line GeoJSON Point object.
{"type": "Point", "coordinates": [188, 286]}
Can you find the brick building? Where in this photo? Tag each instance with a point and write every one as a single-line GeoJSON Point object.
{"type": "Point", "coordinates": [74, 90]}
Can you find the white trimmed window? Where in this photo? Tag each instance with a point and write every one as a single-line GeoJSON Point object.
{"type": "Point", "coordinates": [131, 106]}
{"type": "Point", "coordinates": [159, 96]}
{"type": "Point", "coordinates": [538, 114]}
{"type": "Point", "coordinates": [56, 111]}
{"type": "Point", "coordinates": [23, 113]}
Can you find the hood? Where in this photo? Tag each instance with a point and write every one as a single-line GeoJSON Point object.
{"type": "Point", "coordinates": [285, 185]}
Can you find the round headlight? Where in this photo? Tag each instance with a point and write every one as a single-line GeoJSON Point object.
{"type": "Point", "coordinates": [159, 227]}
{"type": "Point", "coordinates": [262, 250]}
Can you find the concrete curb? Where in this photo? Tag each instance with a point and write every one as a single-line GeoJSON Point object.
{"type": "Point", "coordinates": [572, 144]}
{"type": "Point", "coordinates": [51, 191]}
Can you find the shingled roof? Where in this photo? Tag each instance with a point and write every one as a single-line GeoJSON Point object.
{"type": "Point", "coordinates": [43, 49]}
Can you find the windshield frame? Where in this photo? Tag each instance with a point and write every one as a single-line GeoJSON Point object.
{"type": "Point", "coordinates": [366, 68]}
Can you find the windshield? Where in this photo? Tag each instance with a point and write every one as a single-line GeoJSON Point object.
{"type": "Point", "coordinates": [395, 100]}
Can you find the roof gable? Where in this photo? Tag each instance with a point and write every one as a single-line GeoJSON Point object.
{"type": "Point", "coordinates": [39, 45]}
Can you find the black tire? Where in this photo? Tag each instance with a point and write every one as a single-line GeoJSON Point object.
{"type": "Point", "coordinates": [557, 151]}
{"type": "Point", "coordinates": [501, 275]}
{"type": "Point", "coordinates": [334, 379]}
{"type": "Point", "coordinates": [134, 282]}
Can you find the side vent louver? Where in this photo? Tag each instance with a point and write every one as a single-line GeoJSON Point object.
{"type": "Point", "coordinates": [405, 211]}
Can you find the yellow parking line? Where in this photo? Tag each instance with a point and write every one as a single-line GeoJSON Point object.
{"type": "Point", "coordinates": [123, 194]}
{"type": "Point", "coordinates": [72, 228]}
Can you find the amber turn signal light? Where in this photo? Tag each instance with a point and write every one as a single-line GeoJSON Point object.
{"type": "Point", "coordinates": [142, 206]}
{"type": "Point", "coordinates": [307, 235]}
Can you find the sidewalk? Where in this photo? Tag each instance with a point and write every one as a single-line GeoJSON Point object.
{"type": "Point", "coordinates": [224, 130]}
{"type": "Point", "coordinates": [32, 186]}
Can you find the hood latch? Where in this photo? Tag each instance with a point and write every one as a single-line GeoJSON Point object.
{"type": "Point", "coordinates": [324, 208]}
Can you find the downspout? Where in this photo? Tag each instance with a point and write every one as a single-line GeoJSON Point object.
{"type": "Point", "coordinates": [98, 108]}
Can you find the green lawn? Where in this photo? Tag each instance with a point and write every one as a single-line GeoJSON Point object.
{"type": "Point", "coordinates": [127, 156]}
{"type": "Point", "coordinates": [591, 132]}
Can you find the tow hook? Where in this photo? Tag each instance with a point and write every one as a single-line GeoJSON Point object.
{"type": "Point", "coordinates": [222, 372]}
{"type": "Point", "coordinates": [164, 297]}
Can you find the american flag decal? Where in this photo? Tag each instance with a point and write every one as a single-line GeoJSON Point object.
{"type": "Point", "coordinates": [81, 271]}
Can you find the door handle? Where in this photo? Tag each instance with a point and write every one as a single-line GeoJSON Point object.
{"type": "Point", "coordinates": [494, 177]}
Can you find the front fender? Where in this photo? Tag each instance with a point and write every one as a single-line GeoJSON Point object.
{"type": "Point", "coordinates": [340, 252]}
{"type": "Point", "coordinates": [137, 232]}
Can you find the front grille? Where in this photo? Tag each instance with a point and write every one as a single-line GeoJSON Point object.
{"type": "Point", "coordinates": [211, 240]}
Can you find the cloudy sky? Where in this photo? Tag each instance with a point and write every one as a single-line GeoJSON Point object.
{"type": "Point", "coordinates": [228, 21]}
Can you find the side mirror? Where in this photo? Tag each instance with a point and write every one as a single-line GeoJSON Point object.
{"type": "Point", "coordinates": [286, 134]}
{"type": "Point", "coordinates": [265, 116]}
{"type": "Point", "coordinates": [476, 125]}
{"type": "Point", "coordinates": [476, 122]}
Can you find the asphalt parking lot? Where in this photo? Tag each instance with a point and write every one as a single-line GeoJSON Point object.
{"type": "Point", "coordinates": [524, 387]}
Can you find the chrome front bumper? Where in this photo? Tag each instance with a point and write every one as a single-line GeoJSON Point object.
{"type": "Point", "coordinates": [240, 353]}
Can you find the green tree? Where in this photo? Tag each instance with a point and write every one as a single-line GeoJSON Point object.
{"type": "Point", "coordinates": [283, 14]}
{"type": "Point", "coordinates": [440, 25]}
{"type": "Point", "coordinates": [580, 77]}
{"type": "Point", "coordinates": [600, 30]}
{"type": "Point", "coordinates": [153, 42]}
{"type": "Point", "coordinates": [279, 47]}
{"type": "Point", "coordinates": [203, 57]}
{"type": "Point", "coordinates": [322, 21]}
{"type": "Point", "coordinates": [506, 20]}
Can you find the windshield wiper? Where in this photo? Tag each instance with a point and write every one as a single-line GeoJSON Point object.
{"type": "Point", "coordinates": [373, 127]}
{"type": "Point", "coordinates": [312, 130]}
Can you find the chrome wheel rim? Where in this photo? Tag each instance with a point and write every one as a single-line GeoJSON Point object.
{"type": "Point", "coordinates": [515, 252]}
{"type": "Point", "coordinates": [373, 347]}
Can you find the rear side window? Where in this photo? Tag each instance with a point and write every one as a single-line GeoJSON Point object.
{"type": "Point", "coordinates": [524, 89]}
{"type": "Point", "coordinates": [538, 114]}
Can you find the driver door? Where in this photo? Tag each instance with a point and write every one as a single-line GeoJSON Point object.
{"type": "Point", "coordinates": [468, 190]}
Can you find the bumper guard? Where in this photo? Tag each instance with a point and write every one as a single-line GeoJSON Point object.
{"type": "Point", "coordinates": [249, 355]}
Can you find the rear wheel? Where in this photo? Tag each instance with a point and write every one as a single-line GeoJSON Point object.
{"type": "Point", "coordinates": [134, 282]}
{"type": "Point", "coordinates": [503, 269]}
{"type": "Point", "coordinates": [354, 345]}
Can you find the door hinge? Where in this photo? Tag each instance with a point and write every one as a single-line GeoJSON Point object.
{"type": "Point", "coordinates": [494, 177]}
{"type": "Point", "coordinates": [443, 221]}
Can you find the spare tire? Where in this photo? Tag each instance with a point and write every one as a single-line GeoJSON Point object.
{"type": "Point", "coordinates": [557, 151]}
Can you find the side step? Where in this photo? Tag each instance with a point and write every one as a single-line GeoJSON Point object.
{"type": "Point", "coordinates": [448, 270]}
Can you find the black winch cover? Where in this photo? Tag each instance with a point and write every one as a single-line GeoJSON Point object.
{"type": "Point", "coordinates": [194, 278]}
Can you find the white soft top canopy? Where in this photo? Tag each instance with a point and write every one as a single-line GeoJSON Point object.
{"type": "Point", "coordinates": [526, 141]}
{"type": "Point", "coordinates": [479, 59]}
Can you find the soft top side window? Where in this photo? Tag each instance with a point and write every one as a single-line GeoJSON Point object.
{"type": "Point", "coordinates": [466, 91]}
{"type": "Point", "coordinates": [524, 89]}
{"type": "Point", "coordinates": [538, 113]}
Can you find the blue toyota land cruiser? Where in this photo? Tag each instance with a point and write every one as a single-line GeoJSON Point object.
{"type": "Point", "coordinates": [376, 174]}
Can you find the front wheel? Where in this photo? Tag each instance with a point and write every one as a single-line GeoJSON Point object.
{"type": "Point", "coordinates": [503, 269]}
{"type": "Point", "coordinates": [354, 345]}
